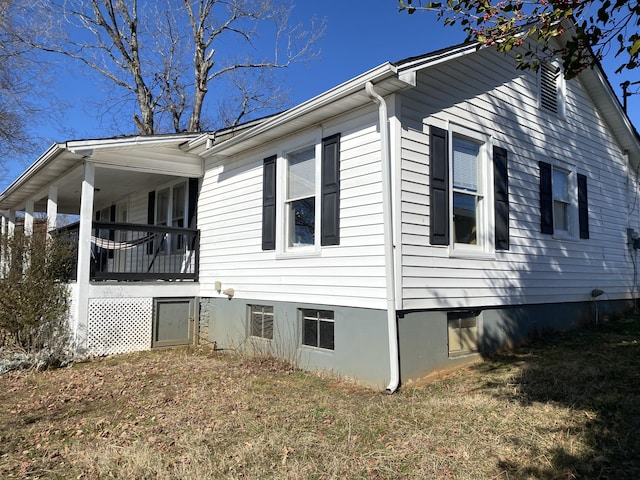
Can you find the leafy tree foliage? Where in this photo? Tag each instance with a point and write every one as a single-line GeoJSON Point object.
{"type": "Point", "coordinates": [597, 28]}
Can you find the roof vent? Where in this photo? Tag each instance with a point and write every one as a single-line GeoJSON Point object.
{"type": "Point", "coordinates": [549, 81]}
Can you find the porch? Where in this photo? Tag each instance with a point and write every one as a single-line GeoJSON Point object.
{"type": "Point", "coordinates": [136, 252]}
{"type": "Point", "coordinates": [133, 276]}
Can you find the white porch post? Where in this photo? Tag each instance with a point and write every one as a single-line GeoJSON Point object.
{"type": "Point", "coordinates": [52, 208]}
{"type": "Point", "coordinates": [84, 258]}
{"type": "Point", "coordinates": [28, 217]}
{"type": "Point", "coordinates": [3, 252]}
{"type": "Point", "coordinates": [11, 223]}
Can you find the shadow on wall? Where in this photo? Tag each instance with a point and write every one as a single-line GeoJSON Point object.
{"type": "Point", "coordinates": [507, 328]}
{"type": "Point", "coordinates": [595, 374]}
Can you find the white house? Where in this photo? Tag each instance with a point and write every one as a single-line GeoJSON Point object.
{"type": "Point", "coordinates": [404, 222]}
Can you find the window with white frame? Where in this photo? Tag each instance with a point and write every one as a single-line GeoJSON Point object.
{"type": "Point", "coordinates": [171, 205]}
{"type": "Point", "coordinates": [564, 204]}
{"type": "Point", "coordinates": [261, 321]}
{"type": "Point", "coordinates": [467, 189]}
{"type": "Point", "coordinates": [318, 328]}
{"type": "Point", "coordinates": [561, 201]}
{"type": "Point", "coordinates": [300, 198]}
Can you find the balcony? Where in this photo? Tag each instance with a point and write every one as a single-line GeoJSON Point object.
{"type": "Point", "coordinates": [134, 252]}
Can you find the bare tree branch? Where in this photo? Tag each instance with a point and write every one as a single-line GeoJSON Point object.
{"type": "Point", "coordinates": [167, 55]}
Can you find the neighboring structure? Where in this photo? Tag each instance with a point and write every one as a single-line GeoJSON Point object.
{"type": "Point", "coordinates": [399, 224]}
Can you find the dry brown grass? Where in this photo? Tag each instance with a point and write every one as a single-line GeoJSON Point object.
{"type": "Point", "coordinates": [561, 410]}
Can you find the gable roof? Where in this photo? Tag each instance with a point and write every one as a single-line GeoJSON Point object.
{"type": "Point", "coordinates": [392, 77]}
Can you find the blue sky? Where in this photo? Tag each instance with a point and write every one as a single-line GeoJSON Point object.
{"type": "Point", "coordinates": [359, 36]}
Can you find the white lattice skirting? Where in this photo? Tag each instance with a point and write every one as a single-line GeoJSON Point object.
{"type": "Point", "coordinates": [119, 325]}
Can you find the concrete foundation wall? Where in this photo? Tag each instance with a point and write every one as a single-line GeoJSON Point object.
{"type": "Point", "coordinates": [423, 335]}
{"type": "Point", "coordinates": [361, 344]}
{"type": "Point", "coordinates": [361, 348]}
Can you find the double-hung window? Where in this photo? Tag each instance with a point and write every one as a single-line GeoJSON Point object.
{"type": "Point", "coordinates": [469, 194]}
{"type": "Point", "coordinates": [300, 198]}
{"type": "Point", "coordinates": [564, 208]}
{"type": "Point", "coordinates": [561, 201]}
{"type": "Point", "coordinates": [468, 217]}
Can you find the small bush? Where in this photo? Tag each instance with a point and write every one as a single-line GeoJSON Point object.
{"type": "Point", "coordinates": [34, 304]}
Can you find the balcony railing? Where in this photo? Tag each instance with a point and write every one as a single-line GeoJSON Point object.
{"type": "Point", "coordinates": [135, 252]}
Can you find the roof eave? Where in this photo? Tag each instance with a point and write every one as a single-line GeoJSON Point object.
{"type": "Point", "coordinates": [241, 141]}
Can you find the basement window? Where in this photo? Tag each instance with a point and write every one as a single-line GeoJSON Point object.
{"type": "Point", "coordinates": [462, 331]}
{"type": "Point", "coordinates": [261, 321]}
{"type": "Point", "coordinates": [317, 328]}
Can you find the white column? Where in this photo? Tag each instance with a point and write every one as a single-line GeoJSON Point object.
{"type": "Point", "coordinates": [11, 223]}
{"type": "Point", "coordinates": [84, 258]}
{"type": "Point", "coordinates": [52, 208]}
{"type": "Point", "coordinates": [3, 250]}
{"type": "Point", "coordinates": [28, 217]}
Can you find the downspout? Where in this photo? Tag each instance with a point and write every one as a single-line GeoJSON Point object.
{"type": "Point", "coordinates": [387, 218]}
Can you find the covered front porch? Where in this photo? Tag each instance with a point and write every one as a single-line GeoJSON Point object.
{"type": "Point", "coordinates": [127, 207]}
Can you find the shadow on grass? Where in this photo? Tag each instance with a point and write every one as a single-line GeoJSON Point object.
{"type": "Point", "coordinates": [595, 372]}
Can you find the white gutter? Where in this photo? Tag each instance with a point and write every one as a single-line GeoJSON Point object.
{"type": "Point", "coordinates": [392, 323]}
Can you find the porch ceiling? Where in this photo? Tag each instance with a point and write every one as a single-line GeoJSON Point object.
{"type": "Point", "coordinates": [122, 166]}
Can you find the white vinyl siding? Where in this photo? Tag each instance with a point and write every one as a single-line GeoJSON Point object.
{"type": "Point", "coordinates": [503, 104]}
{"type": "Point", "coordinates": [229, 218]}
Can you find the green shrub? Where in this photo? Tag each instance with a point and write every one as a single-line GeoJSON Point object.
{"type": "Point", "coordinates": [34, 305]}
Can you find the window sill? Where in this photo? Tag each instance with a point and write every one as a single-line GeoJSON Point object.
{"type": "Point", "coordinates": [566, 237]}
{"type": "Point", "coordinates": [471, 254]}
{"type": "Point", "coordinates": [301, 253]}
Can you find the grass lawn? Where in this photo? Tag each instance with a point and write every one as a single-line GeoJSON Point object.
{"type": "Point", "coordinates": [563, 408]}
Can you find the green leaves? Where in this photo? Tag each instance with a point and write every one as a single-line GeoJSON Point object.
{"type": "Point", "coordinates": [508, 23]}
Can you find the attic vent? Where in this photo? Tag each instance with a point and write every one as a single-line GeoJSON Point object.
{"type": "Point", "coordinates": [549, 82]}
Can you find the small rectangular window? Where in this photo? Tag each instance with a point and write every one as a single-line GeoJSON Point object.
{"type": "Point", "coordinates": [462, 332]}
{"type": "Point", "coordinates": [318, 328]}
{"type": "Point", "coordinates": [261, 321]}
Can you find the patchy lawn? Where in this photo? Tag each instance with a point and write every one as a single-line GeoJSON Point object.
{"type": "Point", "coordinates": [566, 408]}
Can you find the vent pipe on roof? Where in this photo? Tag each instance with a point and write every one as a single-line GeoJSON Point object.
{"type": "Point", "coordinates": [392, 321]}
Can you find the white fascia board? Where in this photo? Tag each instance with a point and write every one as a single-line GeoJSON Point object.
{"type": "Point", "coordinates": [352, 86]}
{"type": "Point", "coordinates": [35, 167]}
{"type": "Point", "coordinates": [81, 146]}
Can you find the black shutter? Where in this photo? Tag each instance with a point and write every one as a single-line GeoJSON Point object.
{"type": "Point", "coordinates": [546, 199]}
{"type": "Point", "coordinates": [439, 186]}
{"type": "Point", "coordinates": [330, 191]}
{"type": "Point", "coordinates": [193, 201]}
{"type": "Point", "coordinates": [151, 217]}
{"type": "Point", "coordinates": [501, 190]}
{"type": "Point", "coordinates": [269, 203]}
{"type": "Point", "coordinates": [583, 206]}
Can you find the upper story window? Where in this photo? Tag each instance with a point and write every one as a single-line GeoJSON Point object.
{"type": "Point", "coordinates": [551, 87]}
{"type": "Point", "coordinates": [301, 198]}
